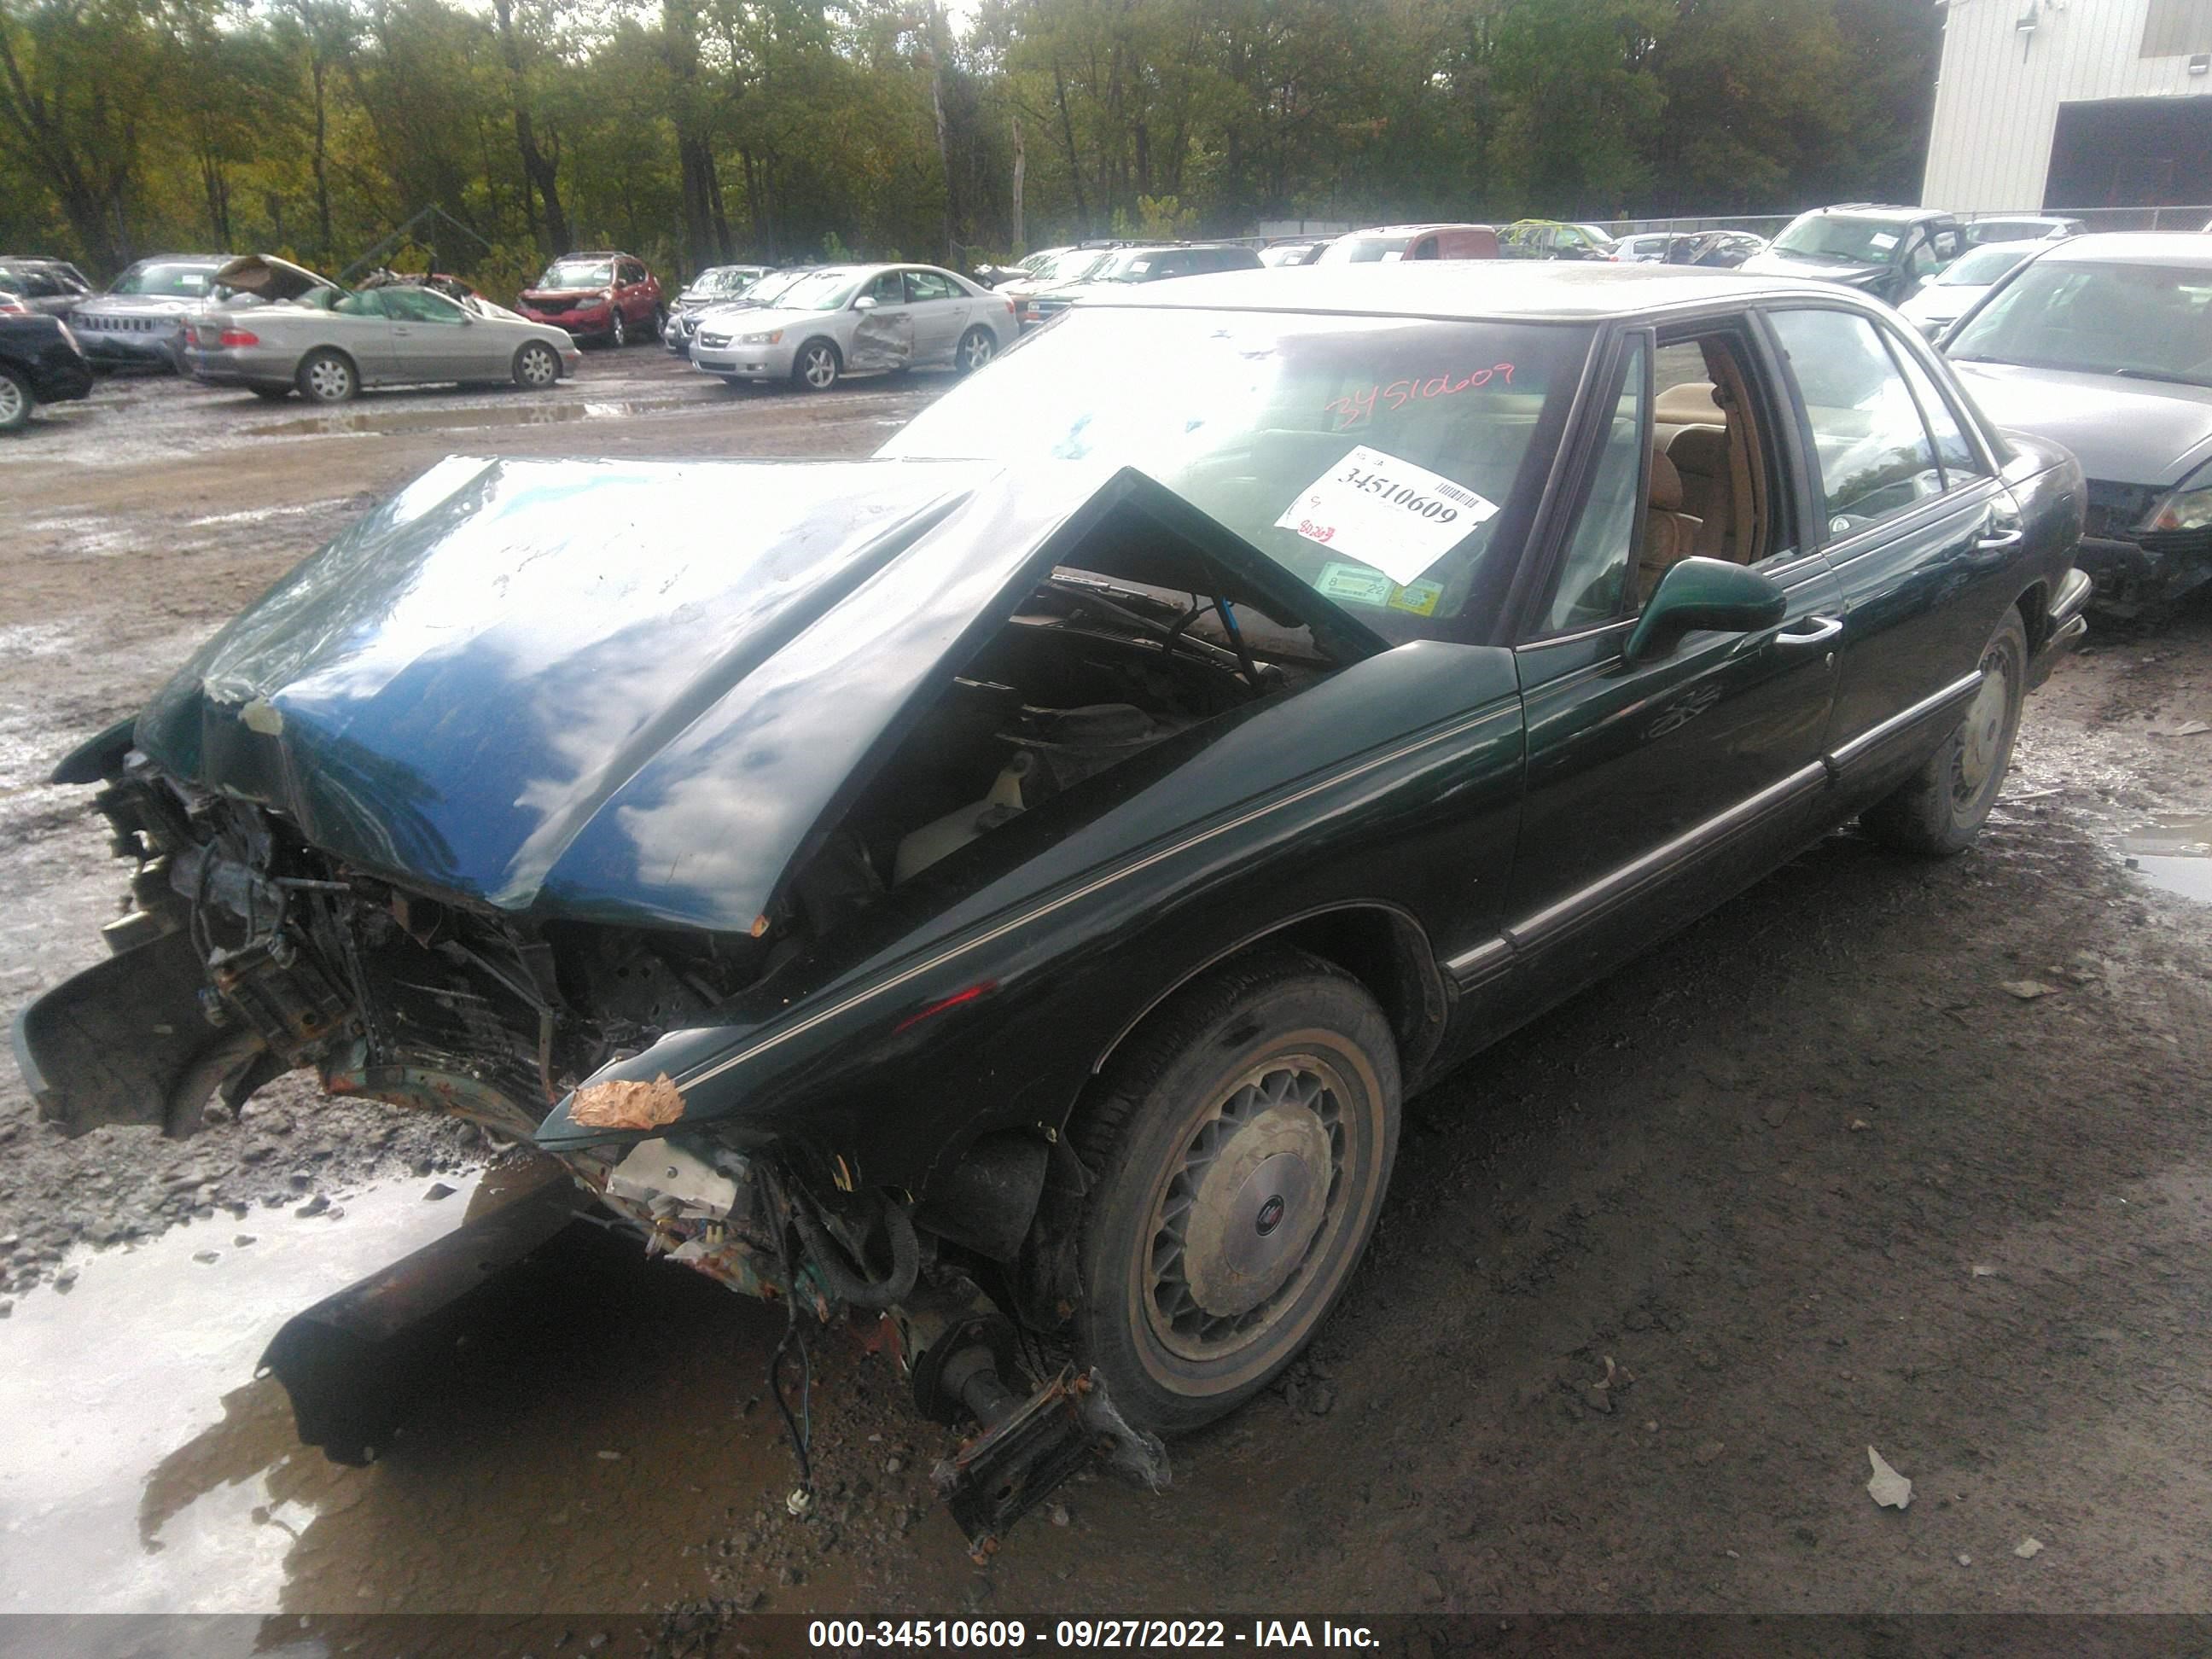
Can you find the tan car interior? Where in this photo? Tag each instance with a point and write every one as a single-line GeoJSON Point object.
{"type": "Point", "coordinates": [1709, 476]}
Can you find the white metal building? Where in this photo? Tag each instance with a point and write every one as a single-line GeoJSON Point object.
{"type": "Point", "coordinates": [2072, 104]}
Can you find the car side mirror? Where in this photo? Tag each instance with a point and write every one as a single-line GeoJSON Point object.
{"type": "Point", "coordinates": [865, 302]}
{"type": "Point", "coordinates": [1708, 594]}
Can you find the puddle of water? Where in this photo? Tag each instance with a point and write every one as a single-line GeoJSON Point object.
{"type": "Point", "coordinates": [540, 412]}
{"type": "Point", "coordinates": [2174, 853]}
{"type": "Point", "coordinates": [103, 1386]}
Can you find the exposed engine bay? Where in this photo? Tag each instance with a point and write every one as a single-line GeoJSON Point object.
{"type": "Point", "coordinates": [259, 953]}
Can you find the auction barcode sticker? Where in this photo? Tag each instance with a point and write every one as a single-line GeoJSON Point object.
{"type": "Point", "coordinates": [1387, 512]}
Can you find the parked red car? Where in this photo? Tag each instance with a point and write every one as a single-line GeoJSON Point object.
{"type": "Point", "coordinates": [596, 296]}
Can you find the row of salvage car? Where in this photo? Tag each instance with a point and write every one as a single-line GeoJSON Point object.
{"type": "Point", "coordinates": [1004, 891]}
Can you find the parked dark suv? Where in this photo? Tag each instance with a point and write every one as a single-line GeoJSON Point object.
{"type": "Point", "coordinates": [1886, 252]}
{"type": "Point", "coordinates": [1157, 263]}
{"type": "Point", "coordinates": [597, 296]}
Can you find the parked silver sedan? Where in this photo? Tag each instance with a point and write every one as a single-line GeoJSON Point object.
{"type": "Point", "coordinates": [851, 320]}
{"type": "Point", "coordinates": [290, 330]}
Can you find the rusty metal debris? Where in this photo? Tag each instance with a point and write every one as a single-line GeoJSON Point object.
{"type": "Point", "coordinates": [625, 1105]}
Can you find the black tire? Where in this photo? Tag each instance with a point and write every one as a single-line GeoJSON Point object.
{"type": "Point", "coordinates": [326, 375]}
{"type": "Point", "coordinates": [1941, 809]}
{"type": "Point", "coordinates": [617, 329]}
{"type": "Point", "coordinates": [816, 365]}
{"type": "Point", "coordinates": [274, 394]}
{"type": "Point", "coordinates": [1262, 1102]}
{"type": "Point", "coordinates": [16, 401]}
{"type": "Point", "coordinates": [660, 322]}
{"type": "Point", "coordinates": [978, 346]}
{"type": "Point", "coordinates": [536, 365]}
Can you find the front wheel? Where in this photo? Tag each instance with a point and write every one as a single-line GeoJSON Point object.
{"type": "Point", "coordinates": [536, 365]}
{"type": "Point", "coordinates": [15, 401]}
{"type": "Point", "coordinates": [816, 367]}
{"type": "Point", "coordinates": [977, 347]}
{"type": "Point", "coordinates": [1941, 807]}
{"type": "Point", "coordinates": [1239, 1148]}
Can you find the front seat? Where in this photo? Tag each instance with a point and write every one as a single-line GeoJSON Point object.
{"type": "Point", "coordinates": [1670, 535]}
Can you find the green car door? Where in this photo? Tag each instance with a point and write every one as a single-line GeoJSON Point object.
{"type": "Point", "coordinates": [1665, 773]}
{"type": "Point", "coordinates": [1919, 531]}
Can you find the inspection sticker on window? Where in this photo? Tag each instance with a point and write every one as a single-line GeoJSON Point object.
{"type": "Point", "coordinates": [1882, 241]}
{"type": "Point", "coordinates": [1386, 513]}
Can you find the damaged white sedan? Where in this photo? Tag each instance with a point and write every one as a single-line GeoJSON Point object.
{"type": "Point", "coordinates": [857, 319]}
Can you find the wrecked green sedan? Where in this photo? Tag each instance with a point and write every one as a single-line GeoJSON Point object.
{"type": "Point", "coordinates": [1012, 885]}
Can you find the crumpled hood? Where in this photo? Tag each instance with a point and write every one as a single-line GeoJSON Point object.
{"type": "Point", "coordinates": [621, 691]}
{"type": "Point", "coordinates": [2122, 431]}
{"type": "Point", "coordinates": [1820, 271]}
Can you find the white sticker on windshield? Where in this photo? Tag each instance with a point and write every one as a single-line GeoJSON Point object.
{"type": "Point", "coordinates": [1882, 239]}
{"type": "Point", "coordinates": [1399, 518]}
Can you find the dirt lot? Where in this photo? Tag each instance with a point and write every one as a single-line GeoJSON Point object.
{"type": "Point", "coordinates": [1808, 1178]}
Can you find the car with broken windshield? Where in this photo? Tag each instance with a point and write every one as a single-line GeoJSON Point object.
{"type": "Point", "coordinates": [1006, 891]}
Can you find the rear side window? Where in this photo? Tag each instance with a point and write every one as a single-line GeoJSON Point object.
{"type": "Point", "coordinates": [1953, 449]}
{"type": "Point", "coordinates": [928, 285]}
{"type": "Point", "coordinates": [1873, 453]}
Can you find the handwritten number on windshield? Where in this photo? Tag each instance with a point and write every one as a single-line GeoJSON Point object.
{"type": "Point", "coordinates": [1355, 408]}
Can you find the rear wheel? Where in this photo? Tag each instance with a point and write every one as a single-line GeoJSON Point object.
{"type": "Point", "coordinates": [660, 322]}
{"type": "Point", "coordinates": [326, 376]}
{"type": "Point", "coordinates": [977, 347]}
{"type": "Point", "coordinates": [15, 401]}
{"type": "Point", "coordinates": [1941, 807]}
{"type": "Point", "coordinates": [536, 365]}
{"type": "Point", "coordinates": [617, 329]}
{"type": "Point", "coordinates": [1239, 1152]}
{"type": "Point", "coordinates": [816, 367]}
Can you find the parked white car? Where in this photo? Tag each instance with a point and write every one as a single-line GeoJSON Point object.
{"type": "Point", "coordinates": [852, 320]}
{"type": "Point", "coordinates": [1953, 291]}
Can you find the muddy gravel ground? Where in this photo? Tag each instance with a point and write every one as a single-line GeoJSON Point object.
{"type": "Point", "coordinates": [1886, 1153]}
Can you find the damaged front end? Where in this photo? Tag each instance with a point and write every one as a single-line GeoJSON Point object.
{"type": "Point", "coordinates": [691, 868]}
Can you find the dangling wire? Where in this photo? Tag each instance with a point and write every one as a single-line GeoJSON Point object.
{"type": "Point", "coordinates": [801, 1426]}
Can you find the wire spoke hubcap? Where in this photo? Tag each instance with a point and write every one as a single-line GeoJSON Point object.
{"type": "Point", "coordinates": [1240, 1223]}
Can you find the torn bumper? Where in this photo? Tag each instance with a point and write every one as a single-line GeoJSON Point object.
{"type": "Point", "coordinates": [2064, 625]}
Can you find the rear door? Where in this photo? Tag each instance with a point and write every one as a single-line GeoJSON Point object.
{"type": "Point", "coordinates": [1915, 524]}
{"type": "Point", "coordinates": [1656, 790]}
{"type": "Point", "coordinates": [941, 314]}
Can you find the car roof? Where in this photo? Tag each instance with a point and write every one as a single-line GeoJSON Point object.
{"type": "Point", "coordinates": [1566, 291]}
{"type": "Point", "coordinates": [1881, 211]}
{"type": "Point", "coordinates": [1415, 229]}
{"type": "Point", "coordinates": [2184, 250]}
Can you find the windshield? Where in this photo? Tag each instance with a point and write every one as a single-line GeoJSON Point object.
{"type": "Point", "coordinates": [1363, 250]}
{"type": "Point", "coordinates": [1129, 265]}
{"type": "Point", "coordinates": [165, 278]}
{"type": "Point", "coordinates": [1830, 236]}
{"type": "Point", "coordinates": [2149, 322]}
{"type": "Point", "coordinates": [1980, 267]}
{"type": "Point", "coordinates": [578, 273]}
{"type": "Point", "coordinates": [831, 288]}
{"type": "Point", "coordinates": [1368, 456]}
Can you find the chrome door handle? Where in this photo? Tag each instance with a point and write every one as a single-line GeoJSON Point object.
{"type": "Point", "coordinates": [1999, 541]}
{"type": "Point", "coordinates": [1819, 630]}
